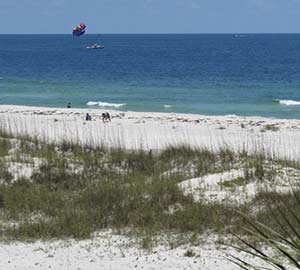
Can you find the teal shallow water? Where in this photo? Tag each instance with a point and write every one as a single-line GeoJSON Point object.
{"type": "Point", "coordinates": [205, 74]}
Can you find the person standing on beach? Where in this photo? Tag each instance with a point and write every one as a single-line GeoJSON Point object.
{"type": "Point", "coordinates": [69, 105]}
{"type": "Point", "coordinates": [108, 117]}
{"type": "Point", "coordinates": [103, 117]}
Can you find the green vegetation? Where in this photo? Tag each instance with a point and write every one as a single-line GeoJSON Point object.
{"type": "Point", "coordinates": [189, 253]}
{"type": "Point", "coordinates": [270, 128]}
{"type": "Point", "coordinates": [240, 181]}
{"type": "Point", "coordinates": [280, 237]}
{"type": "Point", "coordinates": [76, 190]}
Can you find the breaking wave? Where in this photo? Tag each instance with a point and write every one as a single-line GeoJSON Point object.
{"type": "Point", "coordinates": [105, 104]}
{"type": "Point", "coordinates": [288, 102]}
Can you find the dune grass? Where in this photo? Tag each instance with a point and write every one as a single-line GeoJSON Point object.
{"type": "Point", "coordinates": [77, 190]}
{"type": "Point", "coordinates": [273, 236]}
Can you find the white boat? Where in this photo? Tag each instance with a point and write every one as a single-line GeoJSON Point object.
{"type": "Point", "coordinates": [95, 46]}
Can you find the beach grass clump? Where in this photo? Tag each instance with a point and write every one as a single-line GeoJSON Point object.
{"type": "Point", "coordinates": [5, 146]}
{"type": "Point", "coordinates": [190, 253]}
{"type": "Point", "coordinates": [275, 234]}
{"type": "Point", "coordinates": [239, 181]}
{"type": "Point", "coordinates": [5, 176]}
{"type": "Point", "coordinates": [270, 127]}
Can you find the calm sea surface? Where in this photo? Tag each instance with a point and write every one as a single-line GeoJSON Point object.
{"type": "Point", "coordinates": [206, 74]}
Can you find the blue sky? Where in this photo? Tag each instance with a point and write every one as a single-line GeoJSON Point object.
{"type": "Point", "coordinates": [151, 16]}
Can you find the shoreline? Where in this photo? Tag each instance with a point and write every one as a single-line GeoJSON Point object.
{"type": "Point", "coordinates": [153, 130]}
{"type": "Point", "coordinates": [99, 110]}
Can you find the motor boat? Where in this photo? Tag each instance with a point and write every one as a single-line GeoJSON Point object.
{"type": "Point", "coordinates": [95, 46]}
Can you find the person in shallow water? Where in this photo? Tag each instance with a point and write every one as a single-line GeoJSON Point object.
{"type": "Point", "coordinates": [69, 105]}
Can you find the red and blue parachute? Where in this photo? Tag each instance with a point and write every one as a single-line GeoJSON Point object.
{"type": "Point", "coordinates": [79, 30]}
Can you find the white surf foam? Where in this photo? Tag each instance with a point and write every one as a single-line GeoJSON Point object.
{"type": "Point", "coordinates": [288, 102]}
{"type": "Point", "coordinates": [105, 104]}
{"type": "Point", "coordinates": [167, 106]}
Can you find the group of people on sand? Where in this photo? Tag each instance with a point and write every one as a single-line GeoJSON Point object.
{"type": "Point", "coordinates": [105, 117]}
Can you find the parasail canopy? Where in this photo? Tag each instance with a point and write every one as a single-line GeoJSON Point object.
{"type": "Point", "coordinates": [79, 30]}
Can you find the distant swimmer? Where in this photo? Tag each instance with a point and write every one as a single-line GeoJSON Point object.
{"type": "Point", "coordinates": [69, 105]}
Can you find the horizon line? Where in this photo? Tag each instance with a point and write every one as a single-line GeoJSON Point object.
{"type": "Point", "coordinates": [166, 33]}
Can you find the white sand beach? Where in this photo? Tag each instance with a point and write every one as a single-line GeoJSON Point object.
{"type": "Point", "coordinates": [107, 251]}
{"type": "Point", "coordinates": [148, 130]}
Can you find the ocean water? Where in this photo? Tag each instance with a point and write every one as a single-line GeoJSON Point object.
{"type": "Point", "coordinates": [245, 74]}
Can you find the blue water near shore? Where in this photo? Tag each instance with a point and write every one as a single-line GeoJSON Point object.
{"type": "Point", "coordinates": [206, 74]}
